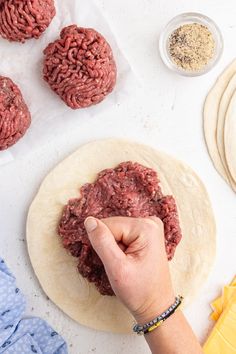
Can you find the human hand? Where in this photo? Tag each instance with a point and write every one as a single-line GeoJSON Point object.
{"type": "Point", "coordinates": [133, 253]}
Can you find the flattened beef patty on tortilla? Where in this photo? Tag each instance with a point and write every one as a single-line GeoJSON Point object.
{"type": "Point", "coordinates": [131, 190]}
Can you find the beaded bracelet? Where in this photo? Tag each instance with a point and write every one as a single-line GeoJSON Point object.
{"type": "Point", "coordinates": [150, 326]}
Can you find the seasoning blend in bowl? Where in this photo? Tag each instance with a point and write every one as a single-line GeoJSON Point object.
{"type": "Point", "coordinates": [191, 44]}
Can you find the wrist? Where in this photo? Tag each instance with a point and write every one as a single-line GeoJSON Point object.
{"type": "Point", "coordinates": [154, 310]}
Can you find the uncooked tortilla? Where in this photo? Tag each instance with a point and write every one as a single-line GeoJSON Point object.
{"type": "Point", "coordinates": [57, 270]}
{"type": "Point", "coordinates": [230, 136]}
{"type": "Point", "coordinates": [211, 110]}
{"type": "Point", "coordinates": [223, 107]}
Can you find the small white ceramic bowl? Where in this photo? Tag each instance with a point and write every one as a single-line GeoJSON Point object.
{"type": "Point", "coordinates": [183, 19]}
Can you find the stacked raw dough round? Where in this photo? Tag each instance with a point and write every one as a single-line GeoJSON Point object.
{"type": "Point", "coordinates": [220, 124]}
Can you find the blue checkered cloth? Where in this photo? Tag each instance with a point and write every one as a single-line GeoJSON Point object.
{"type": "Point", "coordinates": [23, 336]}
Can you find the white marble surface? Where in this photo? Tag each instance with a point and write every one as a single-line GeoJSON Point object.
{"type": "Point", "coordinates": [168, 116]}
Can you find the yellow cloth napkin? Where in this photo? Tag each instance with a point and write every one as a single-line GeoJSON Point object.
{"type": "Point", "coordinates": [222, 339]}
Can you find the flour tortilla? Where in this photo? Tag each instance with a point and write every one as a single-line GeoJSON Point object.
{"type": "Point", "coordinates": [230, 136]}
{"type": "Point", "coordinates": [223, 107]}
{"type": "Point", "coordinates": [211, 109]}
{"type": "Point", "coordinates": [56, 269]}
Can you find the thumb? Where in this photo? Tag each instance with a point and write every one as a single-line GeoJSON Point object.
{"type": "Point", "coordinates": [103, 241]}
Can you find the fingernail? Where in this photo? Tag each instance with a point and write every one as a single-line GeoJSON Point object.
{"type": "Point", "coordinates": [90, 224]}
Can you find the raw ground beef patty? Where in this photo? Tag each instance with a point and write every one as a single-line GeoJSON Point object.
{"type": "Point", "coordinates": [80, 67]}
{"type": "Point", "coordinates": [15, 117]}
{"type": "Point", "coordinates": [130, 189]}
{"type": "Point", "coordinates": [25, 19]}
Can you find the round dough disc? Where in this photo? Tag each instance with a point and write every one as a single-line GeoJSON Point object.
{"type": "Point", "coordinates": [230, 136]}
{"type": "Point", "coordinates": [210, 115]}
{"type": "Point", "coordinates": [223, 107]}
{"type": "Point", "coordinates": [56, 269]}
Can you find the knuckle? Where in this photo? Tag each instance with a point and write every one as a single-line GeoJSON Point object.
{"type": "Point", "coordinates": [150, 227]}
{"type": "Point", "coordinates": [152, 223]}
{"type": "Point", "coordinates": [156, 222]}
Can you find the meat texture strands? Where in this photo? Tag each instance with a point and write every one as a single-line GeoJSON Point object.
{"type": "Point", "coordinates": [15, 117]}
{"type": "Point", "coordinates": [25, 19]}
{"type": "Point", "coordinates": [130, 189]}
{"type": "Point", "coordinates": [80, 67]}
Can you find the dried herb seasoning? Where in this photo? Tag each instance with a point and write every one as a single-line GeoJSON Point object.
{"type": "Point", "coordinates": [192, 46]}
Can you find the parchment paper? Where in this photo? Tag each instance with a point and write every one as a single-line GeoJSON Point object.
{"type": "Point", "coordinates": [23, 63]}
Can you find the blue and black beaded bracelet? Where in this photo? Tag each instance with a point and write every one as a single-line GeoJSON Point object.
{"type": "Point", "coordinates": [156, 322]}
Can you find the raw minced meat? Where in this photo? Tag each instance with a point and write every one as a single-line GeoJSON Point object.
{"type": "Point", "coordinates": [15, 117]}
{"type": "Point", "coordinates": [131, 190]}
{"type": "Point", "coordinates": [79, 67]}
{"type": "Point", "coordinates": [25, 19]}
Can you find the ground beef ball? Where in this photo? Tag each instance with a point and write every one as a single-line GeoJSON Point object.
{"type": "Point", "coordinates": [14, 114]}
{"type": "Point", "coordinates": [25, 19]}
{"type": "Point", "coordinates": [130, 189]}
{"type": "Point", "coordinates": [80, 67]}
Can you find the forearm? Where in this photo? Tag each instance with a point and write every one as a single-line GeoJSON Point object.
{"type": "Point", "coordinates": [174, 336]}
{"type": "Point", "coordinates": [141, 279]}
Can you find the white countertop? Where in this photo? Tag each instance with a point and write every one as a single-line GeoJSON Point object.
{"type": "Point", "coordinates": [168, 116]}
